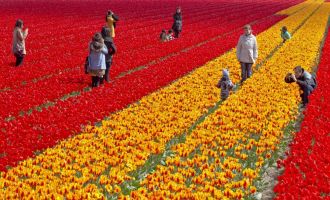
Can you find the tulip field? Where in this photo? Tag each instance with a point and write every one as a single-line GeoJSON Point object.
{"type": "Point", "coordinates": [159, 129]}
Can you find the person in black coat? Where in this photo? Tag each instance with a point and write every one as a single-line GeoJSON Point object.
{"type": "Point", "coordinates": [108, 41]}
{"type": "Point", "coordinates": [177, 24]}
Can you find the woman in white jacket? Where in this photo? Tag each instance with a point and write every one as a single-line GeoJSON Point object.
{"type": "Point", "coordinates": [96, 59]}
{"type": "Point", "coordinates": [247, 52]}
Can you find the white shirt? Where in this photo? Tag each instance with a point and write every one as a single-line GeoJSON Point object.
{"type": "Point", "coordinates": [247, 49]}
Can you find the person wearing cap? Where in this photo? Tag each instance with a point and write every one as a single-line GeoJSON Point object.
{"type": "Point", "coordinates": [306, 82]}
{"type": "Point", "coordinates": [177, 24]}
{"type": "Point", "coordinates": [111, 20]}
{"type": "Point", "coordinates": [19, 37]}
{"type": "Point", "coordinates": [225, 84]}
{"type": "Point", "coordinates": [108, 41]}
{"type": "Point", "coordinates": [96, 59]}
{"type": "Point", "coordinates": [247, 52]}
{"type": "Point", "coordinates": [285, 35]}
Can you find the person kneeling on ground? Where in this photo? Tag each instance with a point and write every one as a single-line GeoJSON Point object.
{"type": "Point", "coordinates": [225, 84]}
{"type": "Point", "coordinates": [96, 59]}
{"type": "Point", "coordinates": [162, 36]}
{"type": "Point", "coordinates": [305, 80]}
{"type": "Point", "coordinates": [169, 35]}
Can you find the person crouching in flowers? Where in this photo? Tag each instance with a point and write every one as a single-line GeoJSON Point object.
{"type": "Point", "coordinates": [225, 84]}
{"type": "Point", "coordinates": [96, 59]}
{"type": "Point", "coordinates": [162, 36]}
{"type": "Point", "coordinates": [285, 35]}
{"type": "Point", "coordinates": [169, 35]}
{"type": "Point", "coordinates": [305, 81]}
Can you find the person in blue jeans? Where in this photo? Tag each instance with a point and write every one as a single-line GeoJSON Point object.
{"type": "Point", "coordinates": [247, 52]}
{"type": "Point", "coordinates": [306, 82]}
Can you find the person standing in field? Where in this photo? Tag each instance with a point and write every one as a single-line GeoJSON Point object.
{"type": "Point", "coordinates": [108, 41]}
{"type": "Point", "coordinates": [96, 59]}
{"type": "Point", "coordinates": [247, 52]}
{"type": "Point", "coordinates": [19, 37]}
{"type": "Point", "coordinates": [177, 24]}
{"type": "Point", "coordinates": [111, 20]}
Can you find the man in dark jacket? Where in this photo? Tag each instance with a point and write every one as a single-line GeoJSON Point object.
{"type": "Point", "coordinates": [177, 24]}
{"type": "Point", "coordinates": [306, 82]}
{"type": "Point", "coordinates": [108, 41]}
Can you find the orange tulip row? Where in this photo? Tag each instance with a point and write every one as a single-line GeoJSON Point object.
{"type": "Point", "coordinates": [93, 164]}
{"type": "Point", "coordinates": [223, 156]}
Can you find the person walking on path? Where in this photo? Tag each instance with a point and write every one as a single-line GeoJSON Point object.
{"type": "Point", "coordinates": [19, 36]}
{"type": "Point", "coordinates": [247, 52]}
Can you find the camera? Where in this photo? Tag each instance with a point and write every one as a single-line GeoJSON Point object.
{"type": "Point", "coordinates": [288, 78]}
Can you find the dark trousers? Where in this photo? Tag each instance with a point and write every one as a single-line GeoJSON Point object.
{"type": "Point", "coordinates": [95, 81]}
{"type": "Point", "coordinates": [19, 60]}
{"type": "Point", "coordinates": [246, 71]}
{"type": "Point", "coordinates": [307, 90]}
{"type": "Point", "coordinates": [176, 33]}
{"type": "Point", "coordinates": [106, 76]}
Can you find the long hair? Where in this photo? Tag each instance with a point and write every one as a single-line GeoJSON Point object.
{"type": "Point", "coordinates": [97, 37]}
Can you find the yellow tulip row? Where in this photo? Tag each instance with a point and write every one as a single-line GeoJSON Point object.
{"type": "Point", "coordinates": [223, 156]}
{"type": "Point", "coordinates": [297, 7]}
{"type": "Point", "coordinates": [98, 160]}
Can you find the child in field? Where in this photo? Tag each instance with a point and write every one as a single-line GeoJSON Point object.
{"type": "Point", "coordinates": [285, 34]}
{"type": "Point", "coordinates": [170, 36]}
{"type": "Point", "coordinates": [225, 84]}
